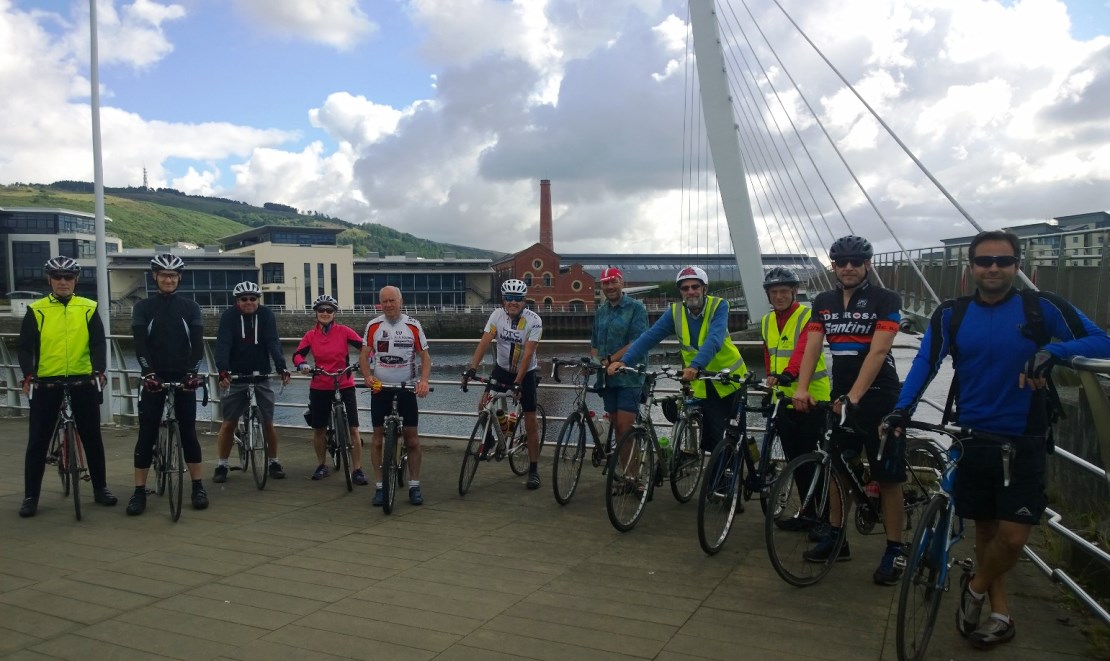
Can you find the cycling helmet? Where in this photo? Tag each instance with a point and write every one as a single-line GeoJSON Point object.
{"type": "Point", "coordinates": [324, 299]}
{"type": "Point", "coordinates": [780, 276]}
{"type": "Point", "coordinates": [246, 288]}
{"type": "Point", "coordinates": [62, 264]}
{"type": "Point", "coordinates": [692, 273]}
{"type": "Point", "coordinates": [850, 246]}
{"type": "Point", "coordinates": [514, 286]}
{"type": "Point", "coordinates": [166, 262]}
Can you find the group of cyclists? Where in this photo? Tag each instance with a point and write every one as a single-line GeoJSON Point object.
{"type": "Point", "coordinates": [999, 340]}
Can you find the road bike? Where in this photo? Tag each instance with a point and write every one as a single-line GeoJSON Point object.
{"type": "Point", "coordinates": [249, 440]}
{"type": "Point", "coordinates": [169, 457]}
{"type": "Point", "coordinates": [579, 427]}
{"type": "Point", "coordinates": [66, 451]}
{"type": "Point", "coordinates": [395, 454]}
{"type": "Point", "coordinates": [498, 434]}
{"type": "Point", "coordinates": [801, 498]}
{"type": "Point", "coordinates": [337, 437]}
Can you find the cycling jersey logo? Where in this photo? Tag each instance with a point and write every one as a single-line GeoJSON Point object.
{"type": "Point", "coordinates": [861, 303]}
{"type": "Point", "coordinates": [390, 360]}
{"type": "Point", "coordinates": [1023, 512]}
{"type": "Point", "coordinates": [689, 270]}
{"type": "Point", "coordinates": [383, 342]}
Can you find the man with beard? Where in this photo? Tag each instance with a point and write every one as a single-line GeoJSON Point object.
{"type": "Point", "coordinates": [619, 320]}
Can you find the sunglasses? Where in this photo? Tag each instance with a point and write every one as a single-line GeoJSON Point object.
{"type": "Point", "coordinates": [325, 311]}
{"type": "Point", "coordinates": [986, 261]}
{"type": "Point", "coordinates": [856, 263]}
{"type": "Point", "coordinates": [250, 299]}
{"type": "Point", "coordinates": [61, 276]}
{"type": "Point", "coordinates": [694, 287]}
{"type": "Point", "coordinates": [515, 298]}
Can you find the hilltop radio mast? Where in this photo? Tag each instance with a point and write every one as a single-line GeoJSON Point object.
{"type": "Point", "coordinates": [145, 187]}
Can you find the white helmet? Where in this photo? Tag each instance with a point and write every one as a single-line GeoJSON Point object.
{"type": "Point", "coordinates": [246, 287]}
{"type": "Point", "coordinates": [62, 264]}
{"type": "Point", "coordinates": [692, 273]}
{"type": "Point", "coordinates": [166, 262]}
{"type": "Point", "coordinates": [324, 299]}
{"type": "Point", "coordinates": [514, 286]}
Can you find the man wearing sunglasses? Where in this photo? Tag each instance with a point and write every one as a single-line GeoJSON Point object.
{"type": "Point", "coordinates": [620, 319]}
{"type": "Point", "coordinates": [247, 344]}
{"type": "Point", "coordinates": [701, 324]}
{"type": "Point", "coordinates": [860, 321]}
{"type": "Point", "coordinates": [62, 337]}
{"type": "Point", "coordinates": [518, 331]}
{"type": "Point", "coordinates": [1002, 368]}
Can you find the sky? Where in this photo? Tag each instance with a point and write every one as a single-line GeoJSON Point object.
{"type": "Point", "coordinates": [439, 117]}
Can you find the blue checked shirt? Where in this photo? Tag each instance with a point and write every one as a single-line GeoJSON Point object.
{"type": "Point", "coordinates": [616, 326]}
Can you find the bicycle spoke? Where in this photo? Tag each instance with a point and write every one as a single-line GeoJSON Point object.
{"type": "Point", "coordinates": [923, 581]}
{"type": "Point", "coordinates": [720, 492]}
{"type": "Point", "coordinates": [686, 462]}
{"type": "Point", "coordinates": [801, 502]}
{"type": "Point", "coordinates": [629, 483]}
{"type": "Point", "coordinates": [570, 451]}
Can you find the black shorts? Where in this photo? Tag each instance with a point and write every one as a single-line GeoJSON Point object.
{"type": "Point", "coordinates": [865, 420]}
{"type": "Point", "coordinates": [381, 405]}
{"type": "Point", "coordinates": [528, 387]}
{"type": "Point", "coordinates": [319, 407]}
{"type": "Point", "coordinates": [979, 490]}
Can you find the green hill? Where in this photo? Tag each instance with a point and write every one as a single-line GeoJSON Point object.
{"type": "Point", "coordinates": [143, 218]}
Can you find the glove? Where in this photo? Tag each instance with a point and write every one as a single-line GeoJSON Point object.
{"type": "Point", "coordinates": [896, 419]}
{"type": "Point", "coordinates": [470, 373]}
{"type": "Point", "coordinates": [151, 382]}
{"type": "Point", "coordinates": [375, 385]}
{"type": "Point", "coordinates": [303, 368]}
{"type": "Point", "coordinates": [786, 379]}
{"type": "Point", "coordinates": [193, 382]}
{"type": "Point", "coordinates": [1040, 365]}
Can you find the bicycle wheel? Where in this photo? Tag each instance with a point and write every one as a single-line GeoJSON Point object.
{"type": "Point", "coordinates": [241, 440]}
{"type": "Point", "coordinates": [925, 462]}
{"type": "Point", "coordinates": [719, 494]}
{"type": "Point", "coordinates": [688, 459]}
{"type": "Point", "coordinates": [473, 452]}
{"type": "Point", "coordinates": [175, 469]}
{"type": "Point", "coordinates": [799, 502]}
{"type": "Point", "coordinates": [923, 581]}
{"type": "Point", "coordinates": [56, 456]}
{"type": "Point", "coordinates": [389, 467]}
{"type": "Point", "coordinates": [73, 466]}
{"type": "Point", "coordinates": [518, 444]}
{"type": "Point", "coordinates": [570, 451]}
{"type": "Point", "coordinates": [259, 449]}
{"type": "Point", "coordinates": [343, 450]}
{"type": "Point", "coordinates": [772, 463]}
{"type": "Point", "coordinates": [629, 484]}
{"type": "Point", "coordinates": [160, 458]}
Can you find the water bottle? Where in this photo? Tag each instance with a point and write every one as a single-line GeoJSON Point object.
{"type": "Point", "coordinates": [753, 450]}
{"type": "Point", "coordinates": [502, 420]}
{"type": "Point", "coordinates": [665, 447]}
{"type": "Point", "coordinates": [512, 422]}
{"type": "Point", "coordinates": [855, 464]}
{"type": "Point", "coordinates": [872, 490]}
{"type": "Point", "coordinates": [602, 425]}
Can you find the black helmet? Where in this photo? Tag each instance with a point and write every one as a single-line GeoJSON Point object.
{"type": "Point", "coordinates": [850, 246]}
{"type": "Point", "coordinates": [780, 276]}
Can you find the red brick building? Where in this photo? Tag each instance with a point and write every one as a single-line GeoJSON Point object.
{"type": "Point", "coordinates": [551, 286]}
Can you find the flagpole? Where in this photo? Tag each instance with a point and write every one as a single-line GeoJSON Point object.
{"type": "Point", "coordinates": [103, 294]}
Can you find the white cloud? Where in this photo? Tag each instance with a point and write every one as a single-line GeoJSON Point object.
{"type": "Point", "coordinates": [132, 35]}
{"type": "Point", "coordinates": [338, 23]}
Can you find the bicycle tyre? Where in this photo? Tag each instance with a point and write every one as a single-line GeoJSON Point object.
{"type": "Point", "coordinates": [720, 491]}
{"type": "Point", "coordinates": [73, 467]}
{"type": "Point", "coordinates": [160, 458]}
{"type": "Point", "coordinates": [518, 444]}
{"type": "Point", "coordinates": [688, 460]}
{"type": "Point", "coordinates": [473, 452]}
{"type": "Point", "coordinates": [240, 439]}
{"type": "Point", "coordinates": [629, 483]}
{"type": "Point", "coordinates": [57, 451]}
{"type": "Point", "coordinates": [343, 448]}
{"type": "Point", "coordinates": [923, 581]}
{"type": "Point", "coordinates": [787, 541]}
{"type": "Point", "coordinates": [389, 467]}
{"type": "Point", "coordinates": [772, 464]}
{"type": "Point", "coordinates": [175, 469]}
{"type": "Point", "coordinates": [570, 452]}
{"type": "Point", "coordinates": [259, 448]}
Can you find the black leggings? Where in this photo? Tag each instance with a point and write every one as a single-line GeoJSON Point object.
{"type": "Point", "coordinates": [44, 415]}
{"type": "Point", "coordinates": [151, 405]}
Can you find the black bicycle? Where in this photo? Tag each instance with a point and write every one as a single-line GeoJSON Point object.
{"type": "Point", "coordinates": [580, 426]}
{"type": "Point", "coordinates": [66, 451]}
{"type": "Point", "coordinates": [338, 435]}
{"type": "Point", "coordinates": [249, 440]}
{"type": "Point", "coordinates": [395, 454]}
{"type": "Point", "coordinates": [169, 457]}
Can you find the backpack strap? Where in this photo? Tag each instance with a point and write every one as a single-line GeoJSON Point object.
{"type": "Point", "coordinates": [959, 310]}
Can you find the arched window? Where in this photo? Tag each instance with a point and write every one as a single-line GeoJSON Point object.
{"type": "Point", "coordinates": [527, 279]}
{"type": "Point", "coordinates": [548, 280]}
{"type": "Point", "coordinates": [548, 303]}
{"type": "Point", "coordinates": [577, 306]}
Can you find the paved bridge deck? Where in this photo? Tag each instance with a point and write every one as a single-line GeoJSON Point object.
{"type": "Point", "coordinates": [304, 570]}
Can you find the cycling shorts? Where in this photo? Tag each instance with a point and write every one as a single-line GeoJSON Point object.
{"type": "Point", "coordinates": [865, 419]}
{"type": "Point", "coordinates": [528, 386]}
{"type": "Point", "coordinates": [381, 404]}
{"type": "Point", "coordinates": [319, 407]}
{"type": "Point", "coordinates": [980, 492]}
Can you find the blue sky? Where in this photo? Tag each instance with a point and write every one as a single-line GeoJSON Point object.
{"type": "Point", "coordinates": [438, 117]}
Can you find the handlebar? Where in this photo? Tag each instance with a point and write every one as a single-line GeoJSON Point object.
{"type": "Point", "coordinates": [585, 362]}
{"type": "Point", "coordinates": [466, 379]}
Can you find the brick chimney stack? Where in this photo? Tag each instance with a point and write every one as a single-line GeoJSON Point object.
{"type": "Point", "coordinates": [547, 236]}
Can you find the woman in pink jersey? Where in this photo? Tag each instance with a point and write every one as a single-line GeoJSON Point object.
{"type": "Point", "coordinates": [330, 345]}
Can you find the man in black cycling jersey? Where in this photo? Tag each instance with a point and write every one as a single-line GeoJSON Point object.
{"type": "Point", "coordinates": [62, 337]}
{"type": "Point", "coordinates": [169, 344]}
{"type": "Point", "coordinates": [1001, 368]}
{"type": "Point", "coordinates": [860, 321]}
{"type": "Point", "coordinates": [246, 343]}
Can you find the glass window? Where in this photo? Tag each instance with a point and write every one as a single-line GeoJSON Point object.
{"type": "Point", "coordinates": [273, 273]}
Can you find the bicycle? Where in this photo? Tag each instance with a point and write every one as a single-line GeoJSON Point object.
{"type": "Point", "coordinates": [395, 454]}
{"type": "Point", "coordinates": [733, 471]}
{"type": "Point", "coordinates": [169, 457]}
{"type": "Point", "coordinates": [338, 434]}
{"type": "Point", "coordinates": [492, 440]}
{"type": "Point", "coordinates": [801, 497]}
{"type": "Point", "coordinates": [929, 554]}
{"type": "Point", "coordinates": [249, 440]}
{"type": "Point", "coordinates": [66, 451]}
{"type": "Point", "coordinates": [570, 444]}
{"type": "Point", "coordinates": [635, 466]}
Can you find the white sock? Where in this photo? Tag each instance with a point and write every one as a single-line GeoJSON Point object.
{"type": "Point", "coordinates": [377, 485]}
{"type": "Point", "coordinates": [273, 460]}
{"type": "Point", "coordinates": [975, 595]}
{"type": "Point", "coordinates": [414, 483]}
{"type": "Point", "coordinates": [1001, 617]}
{"type": "Point", "coordinates": [222, 462]}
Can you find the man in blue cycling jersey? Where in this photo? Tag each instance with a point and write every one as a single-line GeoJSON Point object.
{"type": "Point", "coordinates": [1001, 370]}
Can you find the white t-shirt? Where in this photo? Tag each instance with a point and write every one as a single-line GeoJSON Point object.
{"type": "Point", "coordinates": [394, 347]}
{"type": "Point", "coordinates": [512, 337]}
